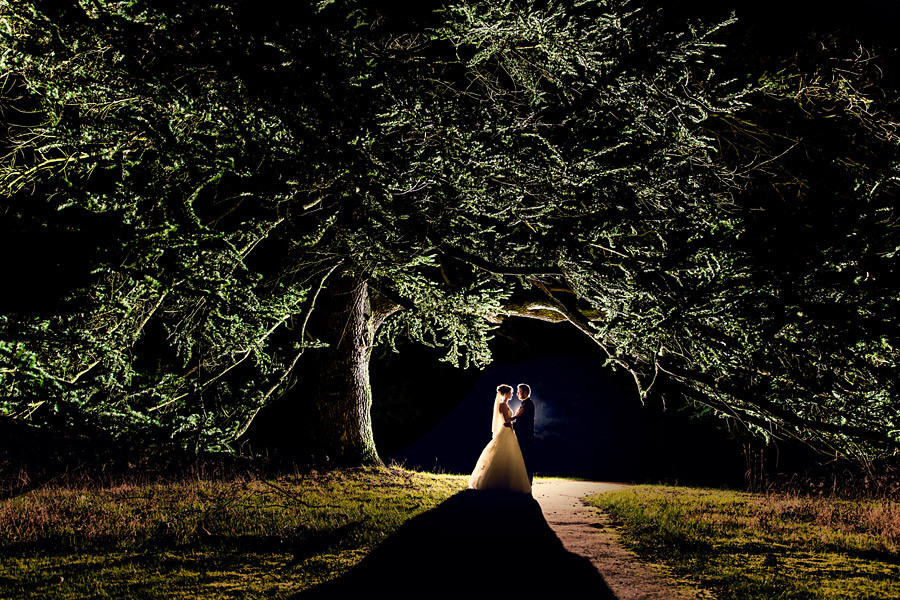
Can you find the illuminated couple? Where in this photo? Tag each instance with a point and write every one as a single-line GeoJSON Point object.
{"type": "Point", "coordinates": [506, 463]}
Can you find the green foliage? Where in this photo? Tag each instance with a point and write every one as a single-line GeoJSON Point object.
{"type": "Point", "coordinates": [597, 160]}
{"type": "Point", "coordinates": [161, 148]}
{"type": "Point", "coordinates": [763, 546]}
{"type": "Point", "coordinates": [811, 340]}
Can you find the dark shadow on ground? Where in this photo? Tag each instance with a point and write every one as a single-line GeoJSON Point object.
{"type": "Point", "coordinates": [476, 544]}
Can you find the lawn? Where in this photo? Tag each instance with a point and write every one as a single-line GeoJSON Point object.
{"type": "Point", "coordinates": [764, 546]}
{"type": "Point", "coordinates": [272, 537]}
{"type": "Point", "coordinates": [246, 538]}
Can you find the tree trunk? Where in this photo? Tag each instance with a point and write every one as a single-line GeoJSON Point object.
{"type": "Point", "coordinates": [339, 420]}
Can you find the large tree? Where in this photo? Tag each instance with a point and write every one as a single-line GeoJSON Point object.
{"type": "Point", "coordinates": [255, 197]}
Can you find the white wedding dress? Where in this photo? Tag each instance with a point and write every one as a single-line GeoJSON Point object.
{"type": "Point", "coordinates": [500, 466]}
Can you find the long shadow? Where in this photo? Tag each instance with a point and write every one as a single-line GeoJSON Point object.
{"type": "Point", "coordinates": [475, 544]}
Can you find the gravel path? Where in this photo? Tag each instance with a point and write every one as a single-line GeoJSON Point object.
{"type": "Point", "coordinates": [585, 531]}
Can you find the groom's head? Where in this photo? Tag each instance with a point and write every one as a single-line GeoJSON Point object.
{"type": "Point", "coordinates": [524, 391]}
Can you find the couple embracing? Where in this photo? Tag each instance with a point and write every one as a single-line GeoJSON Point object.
{"type": "Point", "coordinates": [505, 463]}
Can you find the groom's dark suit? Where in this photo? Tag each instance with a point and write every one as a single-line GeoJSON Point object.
{"type": "Point", "coordinates": [524, 428]}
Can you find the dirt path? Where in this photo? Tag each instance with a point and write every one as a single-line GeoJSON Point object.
{"type": "Point", "coordinates": [584, 530]}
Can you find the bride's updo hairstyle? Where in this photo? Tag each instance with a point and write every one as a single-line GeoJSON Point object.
{"type": "Point", "coordinates": [504, 390]}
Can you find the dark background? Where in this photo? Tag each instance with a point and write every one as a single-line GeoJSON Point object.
{"type": "Point", "coordinates": [589, 419]}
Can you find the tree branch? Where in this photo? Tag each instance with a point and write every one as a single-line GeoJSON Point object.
{"type": "Point", "coordinates": [243, 428]}
{"type": "Point", "coordinates": [385, 289]}
{"type": "Point", "coordinates": [496, 269]}
{"type": "Point", "coordinates": [773, 409]}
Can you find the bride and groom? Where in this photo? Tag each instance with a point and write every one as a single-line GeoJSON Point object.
{"type": "Point", "coordinates": [505, 463]}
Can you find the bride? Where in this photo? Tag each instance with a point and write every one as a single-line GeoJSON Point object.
{"type": "Point", "coordinates": [500, 466]}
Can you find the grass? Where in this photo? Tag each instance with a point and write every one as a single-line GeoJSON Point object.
{"type": "Point", "coordinates": [246, 538]}
{"type": "Point", "coordinates": [764, 546]}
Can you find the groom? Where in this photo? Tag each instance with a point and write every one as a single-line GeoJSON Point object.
{"type": "Point", "coordinates": [524, 419]}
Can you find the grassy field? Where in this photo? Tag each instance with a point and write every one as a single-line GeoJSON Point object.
{"type": "Point", "coordinates": [269, 538]}
{"type": "Point", "coordinates": [755, 546]}
{"type": "Point", "coordinates": [250, 538]}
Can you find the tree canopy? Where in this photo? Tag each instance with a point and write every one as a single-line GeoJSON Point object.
{"type": "Point", "coordinates": [214, 171]}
